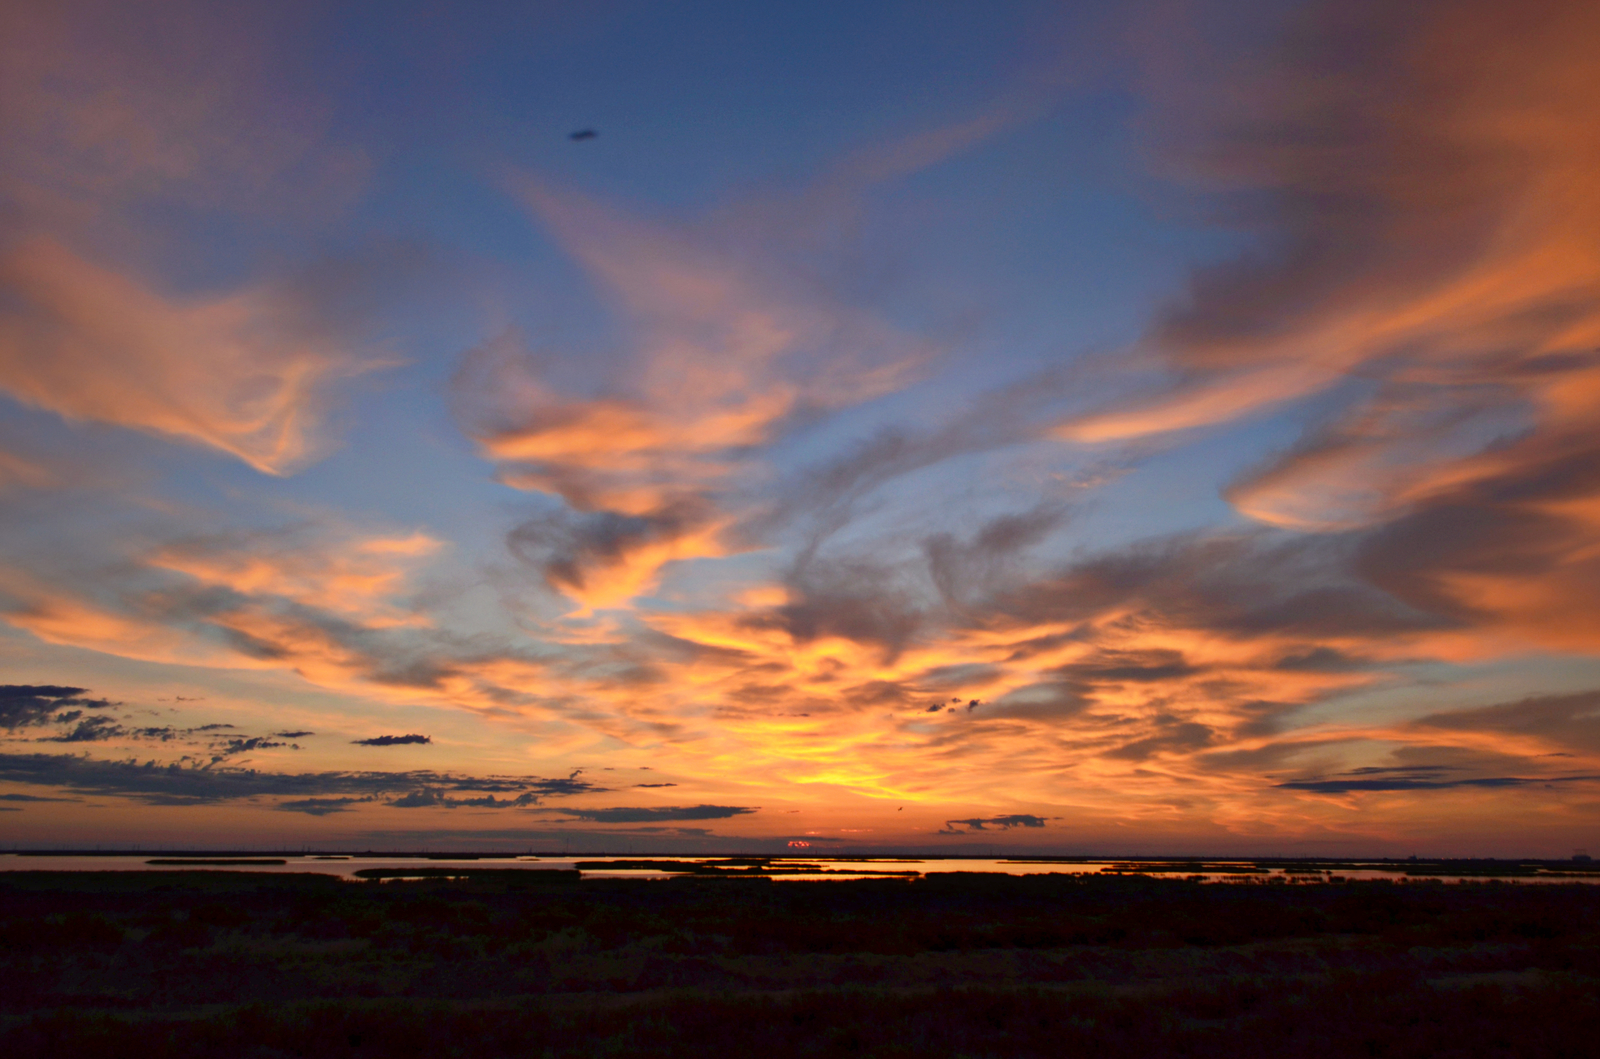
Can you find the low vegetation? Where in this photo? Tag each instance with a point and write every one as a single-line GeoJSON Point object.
{"type": "Point", "coordinates": [198, 963]}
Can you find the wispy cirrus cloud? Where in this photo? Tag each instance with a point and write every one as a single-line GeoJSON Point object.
{"type": "Point", "coordinates": [327, 600]}
{"type": "Point", "coordinates": [655, 813]}
{"type": "Point", "coordinates": [237, 373]}
{"type": "Point", "coordinates": [111, 115]}
{"type": "Point", "coordinates": [1420, 175]}
{"type": "Point", "coordinates": [726, 355]}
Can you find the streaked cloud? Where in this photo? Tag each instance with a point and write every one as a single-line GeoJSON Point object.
{"type": "Point", "coordinates": [1001, 823]}
{"type": "Point", "coordinates": [1421, 175]}
{"type": "Point", "coordinates": [238, 373]}
{"type": "Point", "coordinates": [655, 814]}
{"type": "Point", "coordinates": [176, 784]}
{"type": "Point", "coordinates": [117, 116]}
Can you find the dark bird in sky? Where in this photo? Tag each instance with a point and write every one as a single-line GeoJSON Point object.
{"type": "Point", "coordinates": [582, 134]}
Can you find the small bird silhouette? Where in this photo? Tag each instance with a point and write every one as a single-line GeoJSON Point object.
{"type": "Point", "coordinates": [582, 134]}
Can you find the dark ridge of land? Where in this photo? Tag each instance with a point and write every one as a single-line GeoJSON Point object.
{"type": "Point", "coordinates": [740, 866]}
{"type": "Point", "coordinates": [790, 864]}
{"type": "Point", "coordinates": [202, 963]}
{"type": "Point", "coordinates": [517, 878]}
{"type": "Point", "coordinates": [218, 862]}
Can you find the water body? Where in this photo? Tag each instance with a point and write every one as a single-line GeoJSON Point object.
{"type": "Point", "coordinates": [811, 869]}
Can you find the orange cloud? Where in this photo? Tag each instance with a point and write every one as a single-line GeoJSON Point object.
{"type": "Point", "coordinates": [58, 616]}
{"type": "Point", "coordinates": [727, 349]}
{"type": "Point", "coordinates": [357, 578]}
{"type": "Point", "coordinates": [1433, 269]}
{"type": "Point", "coordinates": [233, 373]}
{"type": "Point", "coordinates": [114, 114]}
{"type": "Point", "coordinates": [724, 354]}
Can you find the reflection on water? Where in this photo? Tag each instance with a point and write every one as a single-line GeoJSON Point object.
{"type": "Point", "coordinates": [811, 869]}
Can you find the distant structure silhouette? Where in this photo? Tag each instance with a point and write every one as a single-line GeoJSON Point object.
{"type": "Point", "coordinates": [582, 134]}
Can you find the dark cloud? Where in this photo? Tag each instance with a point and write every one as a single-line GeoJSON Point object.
{"type": "Point", "coordinates": [392, 740]}
{"type": "Point", "coordinates": [1180, 736]}
{"type": "Point", "coordinates": [177, 784]}
{"type": "Point", "coordinates": [1127, 666]}
{"type": "Point", "coordinates": [164, 734]}
{"type": "Point", "coordinates": [963, 570]}
{"type": "Point", "coordinates": [1043, 701]}
{"type": "Point", "coordinates": [1506, 529]}
{"type": "Point", "coordinates": [1247, 585]}
{"type": "Point", "coordinates": [1426, 783]}
{"type": "Point", "coordinates": [90, 730]}
{"type": "Point", "coordinates": [856, 599]}
{"type": "Point", "coordinates": [941, 680]}
{"type": "Point", "coordinates": [645, 815]}
{"type": "Point", "coordinates": [426, 798]}
{"type": "Point", "coordinates": [679, 839]}
{"type": "Point", "coordinates": [434, 798]}
{"type": "Point", "coordinates": [491, 802]}
{"type": "Point", "coordinates": [984, 823]}
{"type": "Point", "coordinates": [1567, 720]}
{"type": "Point", "coordinates": [568, 547]}
{"type": "Point", "coordinates": [104, 729]}
{"type": "Point", "coordinates": [101, 729]}
{"type": "Point", "coordinates": [826, 495]}
{"type": "Point", "coordinates": [1470, 770]}
{"type": "Point", "coordinates": [320, 806]}
{"type": "Point", "coordinates": [29, 704]}
{"type": "Point", "coordinates": [890, 604]}
{"type": "Point", "coordinates": [1390, 770]}
{"type": "Point", "coordinates": [1319, 660]}
{"type": "Point", "coordinates": [32, 798]}
{"type": "Point", "coordinates": [292, 735]}
{"type": "Point", "coordinates": [244, 746]}
{"type": "Point", "coordinates": [877, 693]}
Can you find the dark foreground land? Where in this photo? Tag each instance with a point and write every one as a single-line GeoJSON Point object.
{"type": "Point", "coordinates": [194, 963]}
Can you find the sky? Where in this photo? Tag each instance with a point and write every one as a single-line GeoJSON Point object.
{"type": "Point", "coordinates": [1108, 427]}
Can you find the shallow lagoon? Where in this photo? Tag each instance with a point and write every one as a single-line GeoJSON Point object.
{"type": "Point", "coordinates": [355, 866]}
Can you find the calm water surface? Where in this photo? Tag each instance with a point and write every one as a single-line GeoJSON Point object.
{"type": "Point", "coordinates": [804, 869]}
